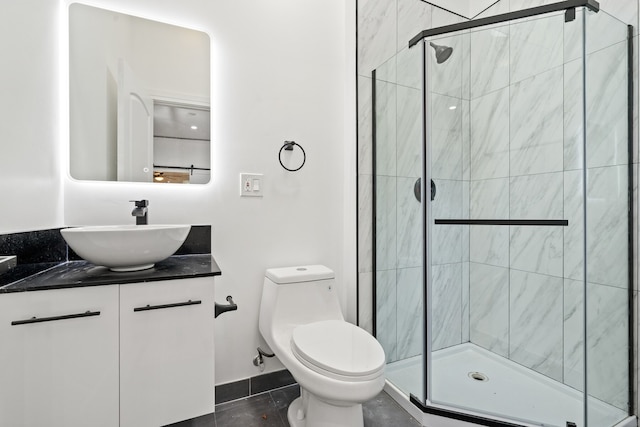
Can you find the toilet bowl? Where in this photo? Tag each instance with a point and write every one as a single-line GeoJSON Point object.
{"type": "Point", "coordinates": [337, 364]}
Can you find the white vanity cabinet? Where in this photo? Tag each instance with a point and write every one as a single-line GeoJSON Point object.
{"type": "Point", "coordinates": [130, 355]}
{"type": "Point", "coordinates": [59, 358]}
{"type": "Point", "coordinates": [166, 351]}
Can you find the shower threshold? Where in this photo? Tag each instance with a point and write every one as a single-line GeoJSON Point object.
{"type": "Point", "coordinates": [471, 378]}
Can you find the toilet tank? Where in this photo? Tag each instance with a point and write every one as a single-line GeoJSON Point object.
{"type": "Point", "coordinates": [299, 295]}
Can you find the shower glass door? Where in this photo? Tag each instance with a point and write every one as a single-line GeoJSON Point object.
{"type": "Point", "coordinates": [527, 230]}
{"type": "Point", "coordinates": [609, 219]}
{"type": "Point", "coordinates": [399, 219]}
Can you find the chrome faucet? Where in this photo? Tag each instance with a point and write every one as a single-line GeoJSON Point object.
{"type": "Point", "coordinates": [140, 211]}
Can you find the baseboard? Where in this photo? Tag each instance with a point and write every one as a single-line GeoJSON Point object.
{"type": "Point", "coordinates": [254, 385]}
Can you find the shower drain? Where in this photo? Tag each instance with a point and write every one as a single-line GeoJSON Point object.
{"type": "Point", "coordinates": [478, 376]}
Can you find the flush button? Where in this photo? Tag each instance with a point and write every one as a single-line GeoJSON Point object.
{"type": "Point", "coordinates": [301, 269]}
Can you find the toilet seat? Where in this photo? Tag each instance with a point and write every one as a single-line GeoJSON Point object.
{"type": "Point", "coordinates": [338, 349]}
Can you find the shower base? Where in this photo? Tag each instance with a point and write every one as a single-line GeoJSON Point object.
{"type": "Point", "coordinates": [509, 391]}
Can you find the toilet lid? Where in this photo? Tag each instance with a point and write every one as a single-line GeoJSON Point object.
{"type": "Point", "coordinates": [339, 347]}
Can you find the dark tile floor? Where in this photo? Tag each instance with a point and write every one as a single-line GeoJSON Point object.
{"type": "Point", "coordinates": [270, 410]}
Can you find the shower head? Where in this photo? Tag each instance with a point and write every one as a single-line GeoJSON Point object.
{"type": "Point", "coordinates": [442, 52]}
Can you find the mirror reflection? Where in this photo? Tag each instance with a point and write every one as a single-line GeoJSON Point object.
{"type": "Point", "coordinates": [139, 99]}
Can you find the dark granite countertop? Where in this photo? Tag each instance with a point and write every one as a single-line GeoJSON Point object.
{"type": "Point", "coordinates": [70, 274]}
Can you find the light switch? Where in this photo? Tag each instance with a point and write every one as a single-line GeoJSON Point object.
{"type": "Point", "coordinates": [251, 184]}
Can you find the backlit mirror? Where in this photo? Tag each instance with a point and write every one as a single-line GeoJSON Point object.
{"type": "Point", "coordinates": [139, 97]}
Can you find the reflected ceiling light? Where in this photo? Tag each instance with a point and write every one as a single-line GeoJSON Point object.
{"type": "Point", "coordinates": [453, 107]}
{"type": "Point", "coordinates": [194, 127]}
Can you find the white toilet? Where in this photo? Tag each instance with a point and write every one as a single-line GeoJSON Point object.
{"type": "Point", "coordinates": [337, 365]}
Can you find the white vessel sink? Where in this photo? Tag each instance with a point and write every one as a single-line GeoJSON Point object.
{"type": "Point", "coordinates": [126, 247]}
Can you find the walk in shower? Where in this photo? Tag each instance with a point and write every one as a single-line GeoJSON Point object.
{"type": "Point", "coordinates": [503, 171]}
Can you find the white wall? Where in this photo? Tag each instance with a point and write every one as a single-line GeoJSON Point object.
{"type": "Point", "coordinates": [30, 187]}
{"type": "Point", "coordinates": [279, 73]}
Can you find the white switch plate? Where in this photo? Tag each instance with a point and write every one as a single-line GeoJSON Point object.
{"type": "Point", "coordinates": [251, 184]}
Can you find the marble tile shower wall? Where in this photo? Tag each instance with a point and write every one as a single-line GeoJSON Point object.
{"type": "Point", "coordinates": [525, 155]}
{"type": "Point", "coordinates": [399, 164]}
{"type": "Point", "coordinates": [516, 171]}
{"type": "Point", "coordinates": [384, 29]}
{"type": "Point", "coordinates": [448, 126]}
{"type": "Point", "coordinates": [509, 278]}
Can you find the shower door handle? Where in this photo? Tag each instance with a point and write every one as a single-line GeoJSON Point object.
{"type": "Point", "coordinates": [417, 190]}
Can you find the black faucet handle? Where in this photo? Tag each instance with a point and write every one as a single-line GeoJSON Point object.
{"type": "Point", "coordinates": [140, 203]}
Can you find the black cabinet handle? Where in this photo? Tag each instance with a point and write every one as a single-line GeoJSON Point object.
{"type": "Point", "coordinates": [53, 318]}
{"type": "Point", "coordinates": [161, 306]}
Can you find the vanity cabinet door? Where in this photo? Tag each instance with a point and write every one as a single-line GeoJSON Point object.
{"type": "Point", "coordinates": [166, 351]}
{"type": "Point", "coordinates": [59, 358]}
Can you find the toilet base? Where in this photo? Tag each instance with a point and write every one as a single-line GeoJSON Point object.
{"type": "Point", "coordinates": [309, 411]}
